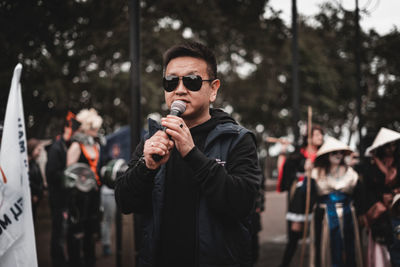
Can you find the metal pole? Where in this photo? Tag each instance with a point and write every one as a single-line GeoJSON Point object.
{"type": "Point", "coordinates": [295, 70]}
{"type": "Point", "coordinates": [136, 123]}
{"type": "Point", "coordinates": [134, 31]}
{"type": "Point", "coordinates": [135, 127]}
{"type": "Point", "coordinates": [357, 49]}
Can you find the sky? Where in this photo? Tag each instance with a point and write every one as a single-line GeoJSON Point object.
{"type": "Point", "coordinates": [383, 17]}
{"type": "Point", "coordinates": [384, 14]}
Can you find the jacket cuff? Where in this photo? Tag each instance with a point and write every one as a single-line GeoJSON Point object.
{"type": "Point", "coordinates": [196, 159]}
{"type": "Point", "coordinates": [145, 173]}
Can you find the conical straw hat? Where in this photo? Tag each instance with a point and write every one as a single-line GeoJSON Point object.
{"type": "Point", "coordinates": [384, 137]}
{"type": "Point", "coordinates": [395, 200]}
{"type": "Point", "coordinates": [331, 144]}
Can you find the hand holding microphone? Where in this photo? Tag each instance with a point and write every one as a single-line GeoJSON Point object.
{"type": "Point", "coordinates": [178, 107]}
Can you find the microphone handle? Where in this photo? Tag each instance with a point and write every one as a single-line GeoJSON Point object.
{"type": "Point", "coordinates": [174, 112]}
{"type": "Point", "coordinates": [156, 157]}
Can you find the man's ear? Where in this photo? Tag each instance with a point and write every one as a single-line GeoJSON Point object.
{"type": "Point", "coordinates": [214, 89]}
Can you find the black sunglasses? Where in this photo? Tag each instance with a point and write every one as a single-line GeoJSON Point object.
{"type": "Point", "coordinates": [191, 82]}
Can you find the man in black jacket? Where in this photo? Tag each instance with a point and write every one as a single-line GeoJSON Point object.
{"type": "Point", "coordinates": [56, 163]}
{"type": "Point", "coordinates": [195, 202]}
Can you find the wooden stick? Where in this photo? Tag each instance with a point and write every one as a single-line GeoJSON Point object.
{"type": "Point", "coordinates": [308, 174]}
{"type": "Point", "coordinates": [277, 140]}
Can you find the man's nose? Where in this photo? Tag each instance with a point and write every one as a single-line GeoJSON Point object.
{"type": "Point", "coordinates": [180, 89]}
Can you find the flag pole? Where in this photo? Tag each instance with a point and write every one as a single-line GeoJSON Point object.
{"type": "Point", "coordinates": [17, 242]}
{"type": "Point", "coordinates": [308, 174]}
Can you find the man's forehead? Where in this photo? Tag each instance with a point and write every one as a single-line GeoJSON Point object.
{"type": "Point", "coordinates": [187, 64]}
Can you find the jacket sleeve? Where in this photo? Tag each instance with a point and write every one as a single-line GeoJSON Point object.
{"type": "Point", "coordinates": [35, 179]}
{"type": "Point", "coordinates": [229, 190]}
{"type": "Point", "coordinates": [295, 163]}
{"type": "Point", "coordinates": [133, 189]}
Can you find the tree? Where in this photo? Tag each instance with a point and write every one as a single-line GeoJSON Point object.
{"type": "Point", "coordinates": [76, 54]}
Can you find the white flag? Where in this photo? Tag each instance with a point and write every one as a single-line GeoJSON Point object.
{"type": "Point", "coordinates": [17, 237]}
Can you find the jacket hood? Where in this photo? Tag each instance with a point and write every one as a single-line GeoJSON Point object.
{"type": "Point", "coordinates": [221, 116]}
{"type": "Point", "coordinates": [218, 116]}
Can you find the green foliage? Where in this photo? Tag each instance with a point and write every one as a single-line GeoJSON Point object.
{"type": "Point", "coordinates": [75, 54]}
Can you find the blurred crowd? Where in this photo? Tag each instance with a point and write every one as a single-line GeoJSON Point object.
{"type": "Point", "coordinates": [349, 202]}
{"type": "Point", "coordinates": [76, 170]}
{"type": "Point", "coordinates": [345, 203]}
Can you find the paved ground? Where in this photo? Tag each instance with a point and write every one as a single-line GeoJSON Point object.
{"type": "Point", "coordinates": [272, 237]}
{"type": "Point", "coordinates": [42, 232]}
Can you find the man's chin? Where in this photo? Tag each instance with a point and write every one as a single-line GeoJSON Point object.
{"type": "Point", "coordinates": [188, 116]}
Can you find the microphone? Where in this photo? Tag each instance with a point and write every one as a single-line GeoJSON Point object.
{"type": "Point", "coordinates": [178, 107]}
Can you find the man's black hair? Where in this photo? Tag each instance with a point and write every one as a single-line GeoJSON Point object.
{"type": "Point", "coordinates": [196, 50]}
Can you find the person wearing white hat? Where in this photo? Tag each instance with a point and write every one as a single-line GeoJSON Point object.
{"type": "Point", "coordinates": [384, 137]}
{"type": "Point", "coordinates": [382, 179]}
{"type": "Point", "coordinates": [293, 173]}
{"type": "Point", "coordinates": [336, 198]}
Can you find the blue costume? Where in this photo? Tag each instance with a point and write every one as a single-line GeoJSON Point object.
{"type": "Point", "coordinates": [334, 232]}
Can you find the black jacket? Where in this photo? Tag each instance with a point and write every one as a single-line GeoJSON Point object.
{"type": "Point", "coordinates": [292, 169]}
{"type": "Point", "coordinates": [228, 178]}
{"type": "Point", "coordinates": [35, 179]}
{"type": "Point", "coordinates": [56, 163]}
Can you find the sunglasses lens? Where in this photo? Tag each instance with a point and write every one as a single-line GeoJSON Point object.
{"type": "Point", "coordinates": [192, 82]}
{"type": "Point", "coordinates": [170, 83]}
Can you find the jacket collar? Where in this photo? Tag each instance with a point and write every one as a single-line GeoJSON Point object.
{"type": "Point", "coordinates": [220, 129]}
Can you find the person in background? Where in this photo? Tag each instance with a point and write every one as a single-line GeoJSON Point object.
{"type": "Point", "coordinates": [280, 162]}
{"type": "Point", "coordinates": [83, 207]}
{"type": "Point", "coordinates": [108, 205]}
{"type": "Point", "coordinates": [395, 216]}
{"type": "Point", "coordinates": [382, 179]}
{"type": "Point", "coordinates": [55, 166]}
{"type": "Point", "coordinates": [338, 197]}
{"type": "Point", "coordinates": [35, 174]}
{"type": "Point", "coordinates": [196, 202]}
{"type": "Point", "coordinates": [293, 174]}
